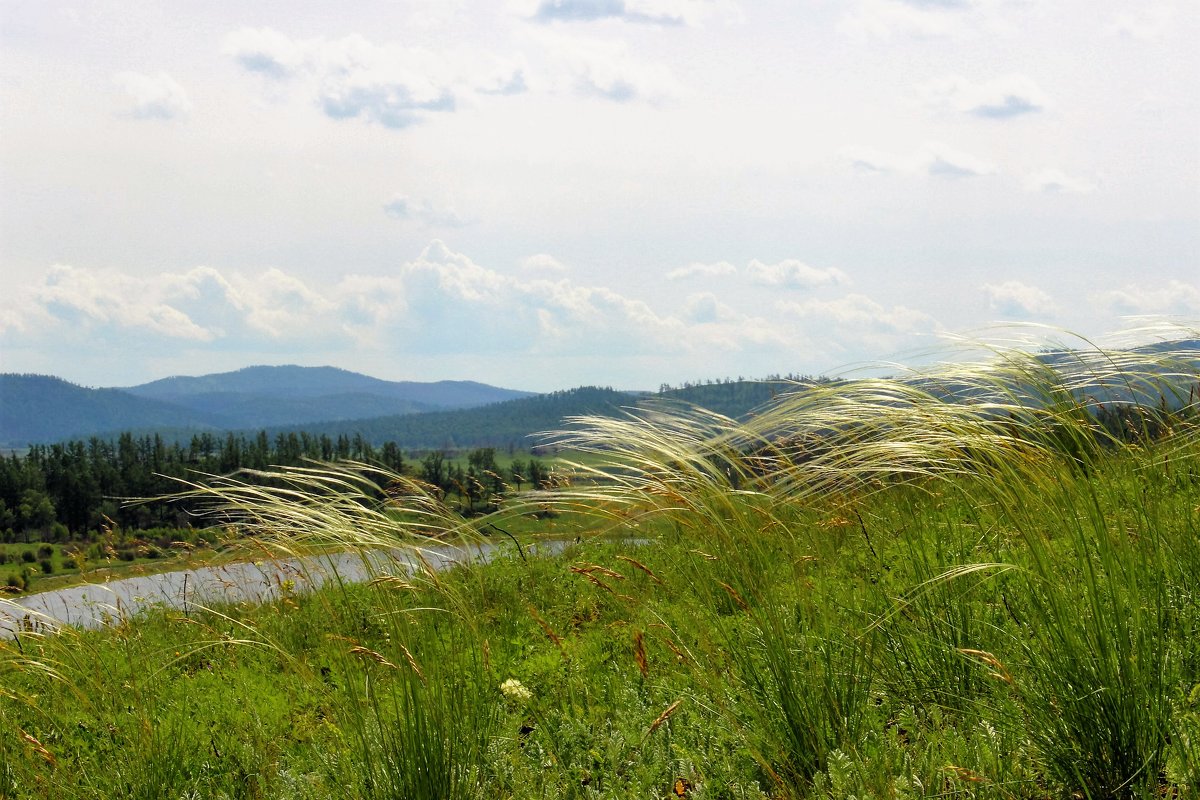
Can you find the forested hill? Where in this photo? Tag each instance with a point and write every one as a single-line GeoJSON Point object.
{"type": "Point", "coordinates": [513, 423]}
{"type": "Point", "coordinates": [40, 408]}
{"type": "Point", "coordinates": [292, 382]}
{"type": "Point", "coordinates": [737, 398]}
{"type": "Point", "coordinates": [501, 425]}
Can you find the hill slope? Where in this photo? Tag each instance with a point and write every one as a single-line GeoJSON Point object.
{"type": "Point", "coordinates": [318, 382]}
{"type": "Point", "coordinates": [37, 409]}
{"type": "Point", "coordinates": [509, 424]}
{"type": "Point", "coordinates": [40, 408]}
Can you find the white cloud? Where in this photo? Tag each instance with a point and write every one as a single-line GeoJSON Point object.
{"type": "Point", "coordinates": [270, 52]}
{"type": "Point", "coordinates": [108, 298]}
{"type": "Point", "coordinates": [1175, 298]}
{"type": "Point", "coordinates": [934, 159]}
{"type": "Point", "coordinates": [607, 70]}
{"type": "Point", "coordinates": [153, 96]}
{"type": "Point", "coordinates": [855, 323]}
{"type": "Point", "coordinates": [1057, 181]}
{"type": "Point", "coordinates": [704, 307]}
{"type": "Point", "coordinates": [545, 264]}
{"type": "Point", "coordinates": [1019, 300]}
{"type": "Point", "coordinates": [794, 274]}
{"type": "Point", "coordinates": [1000, 98]}
{"type": "Point", "coordinates": [789, 273]}
{"type": "Point", "coordinates": [440, 304]}
{"type": "Point", "coordinates": [653, 12]}
{"type": "Point", "coordinates": [861, 312]}
{"type": "Point", "coordinates": [391, 85]}
{"type": "Point", "coordinates": [702, 270]}
{"type": "Point", "coordinates": [945, 162]}
{"type": "Point", "coordinates": [406, 208]}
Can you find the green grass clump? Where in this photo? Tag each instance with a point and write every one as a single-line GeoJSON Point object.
{"type": "Point", "coordinates": [974, 582]}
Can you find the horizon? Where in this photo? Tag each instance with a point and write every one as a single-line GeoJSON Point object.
{"type": "Point", "coordinates": [541, 194]}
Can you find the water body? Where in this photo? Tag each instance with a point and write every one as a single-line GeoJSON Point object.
{"type": "Point", "coordinates": [99, 604]}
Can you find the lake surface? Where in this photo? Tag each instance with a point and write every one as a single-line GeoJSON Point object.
{"type": "Point", "coordinates": [98, 604]}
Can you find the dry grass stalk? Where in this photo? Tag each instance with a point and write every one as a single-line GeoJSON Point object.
{"type": "Point", "coordinates": [412, 662]}
{"type": "Point", "coordinates": [378, 658]}
{"type": "Point", "coordinates": [591, 569]}
{"type": "Point", "coordinates": [37, 746]}
{"type": "Point", "coordinates": [643, 568]}
{"type": "Point", "coordinates": [733, 593]}
{"type": "Point", "coordinates": [393, 582]}
{"type": "Point", "coordinates": [554, 637]}
{"type": "Point", "coordinates": [965, 775]}
{"type": "Point", "coordinates": [662, 718]}
{"type": "Point", "coordinates": [998, 670]}
{"type": "Point", "coordinates": [639, 654]}
{"type": "Point", "coordinates": [589, 576]}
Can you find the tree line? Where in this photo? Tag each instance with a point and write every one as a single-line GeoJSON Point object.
{"type": "Point", "coordinates": [66, 491]}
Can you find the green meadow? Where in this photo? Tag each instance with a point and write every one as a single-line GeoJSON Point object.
{"type": "Point", "coordinates": [871, 589]}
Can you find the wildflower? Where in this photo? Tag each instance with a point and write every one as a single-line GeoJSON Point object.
{"type": "Point", "coordinates": [513, 689]}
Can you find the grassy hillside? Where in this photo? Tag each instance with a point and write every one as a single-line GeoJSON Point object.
{"type": "Point", "coordinates": [865, 592]}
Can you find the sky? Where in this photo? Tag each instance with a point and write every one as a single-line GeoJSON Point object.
{"type": "Point", "coordinates": [554, 193]}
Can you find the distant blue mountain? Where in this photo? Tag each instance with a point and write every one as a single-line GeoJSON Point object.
{"type": "Point", "coordinates": [38, 408]}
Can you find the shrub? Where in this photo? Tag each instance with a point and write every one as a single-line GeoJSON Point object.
{"type": "Point", "coordinates": [47, 566]}
{"type": "Point", "coordinates": [45, 551]}
{"type": "Point", "coordinates": [28, 557]}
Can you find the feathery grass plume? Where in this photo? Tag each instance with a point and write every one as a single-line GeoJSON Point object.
{"type": "Point", "coordinates": [1021, 433]}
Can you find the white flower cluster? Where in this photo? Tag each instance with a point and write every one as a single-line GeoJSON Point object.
{"type": "Point", "coordinates": [515, 690]}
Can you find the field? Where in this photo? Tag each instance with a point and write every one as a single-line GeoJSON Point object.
{"type": "Point", "coordinates": [869, 592]}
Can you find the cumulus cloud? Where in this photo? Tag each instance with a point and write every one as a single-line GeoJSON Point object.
{"type": "Point", "coordinates": [653, 12]}
{"type": "Point", "coordinates": [794, 274]}
{"type": "Point", "coordinates": [402, 207]}
{"type": "Point", "coordinates": [1018, 300]}
{"type": "Point", "coordinates": [544, 264]}
{"type": "Point", "coordinates": [855, 322]}
{"type": "Point", "coordinates": [1173, 298]}
{"type": "Point", "coordinates": [607, 70]}
{"type": "Point", "coordinates": [934, 159]}
{"type": "Point", "coordinates": [1004, 97]}
{"type": "Point", "coordinates": [270, 52]}
{"type": "Point", "coordinates": [702, 270]}
{"type": "Point", "coordinates": [441, 303]}
{"type": "Point", "coordinates": [110, 298]}
{"type": "Point", "coordinates": [788, 273]}
{"type": "Point", "coordinates": [1056, 181]}
{"type": "Point", "coordinates": [153, 96]}
{"type": "Point", "coordinates": [355, 78]}
{"type": "Point", "coordinates": [704, 307]}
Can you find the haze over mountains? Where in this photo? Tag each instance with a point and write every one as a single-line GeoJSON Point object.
{"type": "Point", "coordinates": [38, 408]}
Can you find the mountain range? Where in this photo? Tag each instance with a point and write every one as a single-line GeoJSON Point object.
{"type": "Point", "coordinates": [461, 414]}
{"type": "Point", "coordinates": [41, 408]}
